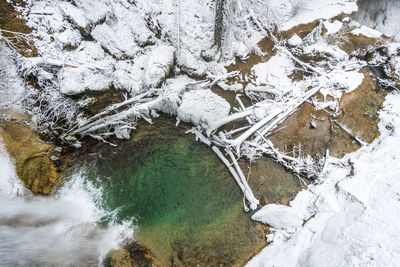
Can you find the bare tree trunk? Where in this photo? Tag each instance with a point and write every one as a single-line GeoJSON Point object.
{"type": "Point", "coordinates": [219, 22]}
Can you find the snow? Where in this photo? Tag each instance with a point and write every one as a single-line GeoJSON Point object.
{"type": "Point", "coordinates": [366, 31]}
{"type": "Point", "coordinates": [202, 108]}
{"type": "Point", "coordinates": [159, 65]}
{"type": "Point", "coordinates": [10, 184]}
{"type": "Point", "coordinates": [275, 72]}
{"type": "Point", "coordinates": [295, 40]}
{"type": "Point", "coordinates": [70, 37]}
{"type": "Point", "coordinates": [74, 81]}
{"type": "Point", "coordinates": [75, 14]}
{"type": "Point", "coordinates": [348, 80]}
{"type": "Point", "coordinates": [332, 27]}
{"type": "Point", "coordinates": [189, 64]}
{"type": "Point", "coordinates": [279, 216]}
{"type": "Point", "coordinates": [311, 10]}
{"type": "Point", "coordinates": [352, 219]}
{"type": "Point", "coordinates": [11, 84]}
{"type": "Point", "coordinates": [118, 38]}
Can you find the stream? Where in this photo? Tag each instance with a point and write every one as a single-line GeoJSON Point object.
{"type": "Point", "coordinates": [168, 192]}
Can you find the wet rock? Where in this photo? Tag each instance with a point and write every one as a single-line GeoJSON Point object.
{"type": "Point", "coordinates": [32, 157]}
{"type": "Point", "coordinates": [132, 254]}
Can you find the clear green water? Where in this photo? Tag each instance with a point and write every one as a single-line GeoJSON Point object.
{"type": "Point", "coordinates": [187, 206]}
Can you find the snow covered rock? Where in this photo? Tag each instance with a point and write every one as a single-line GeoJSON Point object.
{"type": "Point", "coordinates": [189, 64]}
{"type": "Point", "coordinates": [275, 72]}
{"type": "Point", "coordinates": [279, 216]}
{"type": "Point", "coordinates": [122, 132]}
{"type": "Point", "coordinates": [71, 38]}
{"type": "Point", "coordinates": [94, 11]}
{"type": "Point", "coordinates": [127, 76]}
{"type": "Point", "coordinates": [75, 15]}
{"type": "Point", "coordinates": [74, 81]}
{"type": "Point", "coordinates": [159, 64]}
{"type": "Point", "coordinates": [202, 107]}
{"type": "Point", "coordinates": [332, 27]}
{"type": "Point", "coordinates": [295, 40]}
{"type": "Point", "coordinates": [171, 100]}
{"type": "Point", "coordinates": [117, 38]}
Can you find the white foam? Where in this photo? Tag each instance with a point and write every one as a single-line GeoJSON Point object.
{"type": "Point", "coordinates": [61, 230]}
{"type": "Point", "coordinates": [10, 184]}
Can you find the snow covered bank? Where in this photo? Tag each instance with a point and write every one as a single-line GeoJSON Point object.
{"type": "Point", "coordinates": [352, 213]}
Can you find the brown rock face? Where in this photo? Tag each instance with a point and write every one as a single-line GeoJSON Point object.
{"type": "Point", "coordinates": [31, 157]}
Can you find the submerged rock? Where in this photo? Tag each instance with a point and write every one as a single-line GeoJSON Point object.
{"type": "Point", "coordinates": [132, 254]}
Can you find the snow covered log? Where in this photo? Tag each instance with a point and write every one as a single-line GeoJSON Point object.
{"type": "Point", "coordinates": [246, 191]}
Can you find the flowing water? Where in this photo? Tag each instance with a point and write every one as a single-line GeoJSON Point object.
{"type": "Point", "coordinates": [59, 231]}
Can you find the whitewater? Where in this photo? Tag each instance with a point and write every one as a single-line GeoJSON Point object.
{"type": "Point", "coordinates": [62, 230]}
